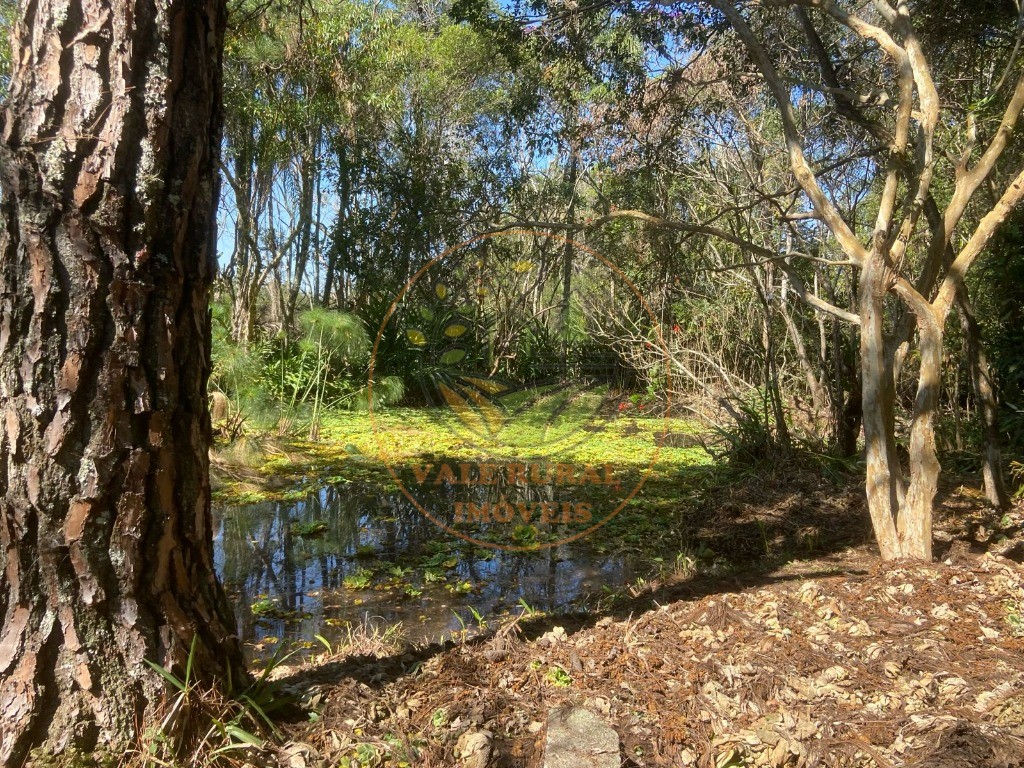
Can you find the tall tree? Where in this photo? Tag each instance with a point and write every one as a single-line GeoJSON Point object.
{"type": "Point", "coordinates": [888, 96]}
{"type": "Point", "coordinates": [941, 145]}
{"type": "Point", "coordinates": [108, 164]}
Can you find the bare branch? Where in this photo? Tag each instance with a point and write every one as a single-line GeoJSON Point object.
{"type": "Point", "coordinates": [798, 161]}
{"type": "Point", "coordinates": [968, 184]}
{"type": "Point", "coordinates": [813, 300]}
{"type": "Point", "coordinates": [982, 234]}
{"type": "Point", "coordinates": [656, 221]}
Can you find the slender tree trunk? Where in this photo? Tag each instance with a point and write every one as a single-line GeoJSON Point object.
{"type": "Point", "coordinates": [849, 415]}
{"type": "Point", "coordinates": [885, 491]}
{"type": "Point", "coordinates": [108, 148]}
{"type": "Point", "coordinates": [318, 250]}
{"type": "Point", "coordinates": [243, 313]}
{"type": "Point", "coordinates": [772, 386]}
{"type": "Point", "coordinates": [901, 514]}
{"type": "Point", "coordinates": [774, 391]}
{"type": "Point", "coordinates": [308, 175]}
{"type": "Point", "coordinates": [811, 376]}
{"type": "Point", "coordinates": [276, 299]}
{"type": "Point", "coordinates": [988, 405]}
{"type": "Point", "coordinates": [844, 386]}
{"type": "Point", "coordinates": [245, 259]}
{"type": "Point", "coordinates": [339, 253]}
{"type": "Point", "coordinates": [572, 177]}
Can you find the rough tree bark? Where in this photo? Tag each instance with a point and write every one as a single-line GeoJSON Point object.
{"type": "Point", "coordinates": [108, 146]}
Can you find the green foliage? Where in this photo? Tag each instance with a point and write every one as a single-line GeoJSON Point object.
{"type": "Point", "coordinates": [337, 335]}
{"type": "Point", "coordinates": [1017, 473]}
{"type": "Point", "coordinates": [8, 14]}
{"type": "Point", "coordinates": [200, 728]}
{"type": "Point", "coordinates": [360, 579]}
{"type": "Point", "coordinates": [752, 440]}
{"type": "Point", "coordinates": [431, 125]}
{"type": "Point", "coordinates": [539, 354]}
{"type": "Point", "coordinates": [324, 366]}
{"type": "Point", "coordinates": [235, 368]}
{"type": "Point", "coordinates": [439, 719]}
{"type": "Point", "coordinates": [310, 528]}
{"type": "Point", "coordinates": [1000, 287]}
{"type": "Point", "coordinates": [558, 677]}
{"type": "Point", "coordinates": [263, 607]}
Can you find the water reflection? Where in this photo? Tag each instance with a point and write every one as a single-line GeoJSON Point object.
{"type": "Point", "coordinates": [367, 553]}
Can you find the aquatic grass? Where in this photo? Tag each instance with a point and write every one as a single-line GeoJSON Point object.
{"type": "Point", "coordinates": [309, 528]}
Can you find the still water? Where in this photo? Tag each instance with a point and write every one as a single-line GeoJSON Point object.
{"type": "Point", "coordinates": [352, 554]}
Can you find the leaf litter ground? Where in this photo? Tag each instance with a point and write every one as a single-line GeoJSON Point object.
{"type": "Point", "coordinates": [835, 660]}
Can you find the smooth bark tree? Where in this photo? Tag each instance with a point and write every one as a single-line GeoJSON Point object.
{"type": "Point", "coordinates": [983, 384]}
{"type": "Point", "coordinates": [108, 154]}
{"type": "Point", "coordinates": [939, 155]}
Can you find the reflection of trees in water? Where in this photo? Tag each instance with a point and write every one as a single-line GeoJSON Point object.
{"type": "Point", "coordinates": [259, 553]}
{"type": "Point", "coordinates": [263, 556]}
{"type": "Point", "coordinates": [549, 579]}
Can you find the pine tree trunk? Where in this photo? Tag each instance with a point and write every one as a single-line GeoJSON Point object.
{"type": "Point", "coordinates": [108, 148]}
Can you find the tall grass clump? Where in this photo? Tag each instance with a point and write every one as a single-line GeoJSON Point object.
{"type": "Point", "coordinates": [199, 727]}
{"type": "Point", "coordinates": [287, 382]}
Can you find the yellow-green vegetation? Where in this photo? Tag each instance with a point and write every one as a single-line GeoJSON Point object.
{"type": "Point", "coordinates": [360, 447]}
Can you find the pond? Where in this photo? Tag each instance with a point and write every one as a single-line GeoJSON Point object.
{"type": "Point", "coordinates": [352, 553]}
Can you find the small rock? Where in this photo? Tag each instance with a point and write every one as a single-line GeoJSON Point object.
{"type": "Point", "coordinates": [578, 738]}
{"type": "Point", "coordinates": [599, 703]}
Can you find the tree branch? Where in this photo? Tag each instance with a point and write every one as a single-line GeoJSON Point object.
{"type": "Point", "coordinates": [798, 161]}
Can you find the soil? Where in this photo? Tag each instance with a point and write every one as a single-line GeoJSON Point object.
{"type": "Point", "coordinates": [830, 660]}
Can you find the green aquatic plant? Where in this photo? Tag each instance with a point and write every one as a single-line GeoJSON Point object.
{"type": "Point", "coordinates": [360, 579]}
{"type": "Point", "coordinates": [309, 529]}
{"type": "Point", "coordinates": [263, 607]}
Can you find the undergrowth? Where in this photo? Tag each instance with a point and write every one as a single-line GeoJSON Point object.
{"type": "Point", "coordinates": [201, 727]}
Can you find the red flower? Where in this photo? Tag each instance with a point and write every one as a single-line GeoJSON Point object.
{"type": "Point", "coordinates": [675, 329]}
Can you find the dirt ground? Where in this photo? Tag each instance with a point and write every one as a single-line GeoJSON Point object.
{"type": "Point", "coordinates": [831, 660]}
